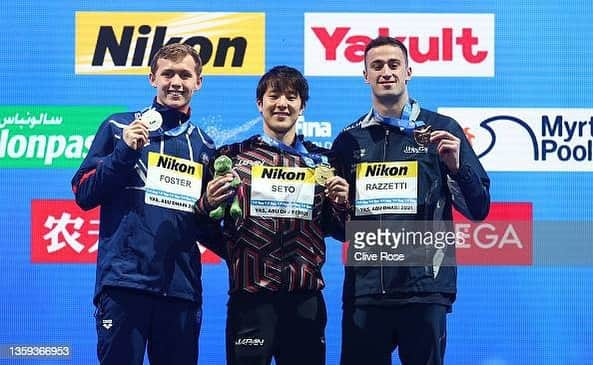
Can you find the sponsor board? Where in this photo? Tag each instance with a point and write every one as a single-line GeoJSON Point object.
{"type": "Point", "coordinates": [48, 136]}
{"type": "Point", "coordinates": [317, 132]}
{"type": "Point", "coordinates": [61, 232]}
{"type": "Point", "coordinates": [123, 43]}
{"type": "Point", "coordinates": [446, 45]}
{"type": "Point", "coordinates": [529, 139]}
{"type": "Point", "coordinates": [505, 237]}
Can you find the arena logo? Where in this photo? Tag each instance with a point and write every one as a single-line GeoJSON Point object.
{"type": "Point", "coordinates": [124, 42]}
{"type": "Point", "coordinates": [61, 232]}
{"type": "Point", "coordinates": [522, 139]}
{"type": "Point", "coordinates": [48, 136]}
{"type": "Point", "coordinates": [447, 45]}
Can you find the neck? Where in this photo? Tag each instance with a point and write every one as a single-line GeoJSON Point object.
{"type": "Point", "coordinates": [390, 106]}
{"type": "Point", "coordinates": [288, 137]}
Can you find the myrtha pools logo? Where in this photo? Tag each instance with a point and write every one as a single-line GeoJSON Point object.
{"type": "Point", "coordinates": [521, 139]}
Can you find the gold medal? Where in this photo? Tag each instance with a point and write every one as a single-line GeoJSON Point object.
{"type": "Point", "coordinates": [422, 135]}
{"type": "Point", "coordinates": [322, 173]}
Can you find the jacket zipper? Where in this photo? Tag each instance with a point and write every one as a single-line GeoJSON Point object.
{"type": "Point", "coordinates": [282, 228]}
{"type": "Point", "coordinates": [381, 216]}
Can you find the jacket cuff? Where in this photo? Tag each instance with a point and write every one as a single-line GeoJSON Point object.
{"type": "Point", "coordinates": [340, 207]}
{"type": "Point", "coordinates": [463, 175]}
{"type": "Point", "coordinates": [124, 155]}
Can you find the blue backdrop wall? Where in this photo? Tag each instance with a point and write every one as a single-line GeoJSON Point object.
{"type": "Point", "coordinates": [66, 65]}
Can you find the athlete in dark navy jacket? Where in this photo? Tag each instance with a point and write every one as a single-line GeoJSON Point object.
{"type": "Point", "coordinates": [145, 170]}
{"type": "Point", "coordinates": [401, 306]}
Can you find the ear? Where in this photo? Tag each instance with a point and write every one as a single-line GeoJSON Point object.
{"type": "Point", "coordinates": [365, 76]}
{"type": "Point", "coordinates": [260, 105]}
{"type": "Point", "coordinates": [198, 84]}
{"type": "Point", "coordinates": [408, 74]}
{"type": "Point", "coordinates": [152, 79]}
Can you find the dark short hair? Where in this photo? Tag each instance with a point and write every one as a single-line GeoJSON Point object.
{"type": "Point", "coordinates": [176, 52]}
{"type": "Point", "coordinates": [385, 41]}
{"type": "Point", "coordinates": [283, 78]}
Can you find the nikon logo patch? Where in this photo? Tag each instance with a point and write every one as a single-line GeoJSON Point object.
{"type": "Point", "coordinates": [399, 169]}
{"type": "Point", "coordinates": [171, 163]}
{"type": "Point", "coordinates": [281, 174]}
{"type": "Point", "coordinates": [385, 170]}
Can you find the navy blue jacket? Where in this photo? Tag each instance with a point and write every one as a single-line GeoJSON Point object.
{"type": "Point", "coordinates": [368, 141]}
{"type": "Point", "coordinates": [144, 246]}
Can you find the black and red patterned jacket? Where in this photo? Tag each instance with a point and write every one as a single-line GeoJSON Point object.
{"type": "Point", "coordinates": [275, 254]}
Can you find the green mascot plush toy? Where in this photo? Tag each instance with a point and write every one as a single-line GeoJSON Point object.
{"type": "Point", "coordinates": [222, 166]}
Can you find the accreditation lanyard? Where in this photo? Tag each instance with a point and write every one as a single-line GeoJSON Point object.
{"type": "Point", "coordinates": [299, 149]}
{"type": "Point", "coordinates": [174, 132]}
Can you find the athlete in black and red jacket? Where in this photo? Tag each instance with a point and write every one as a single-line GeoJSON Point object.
{"type": "Point", "coordinates": [276, 247]}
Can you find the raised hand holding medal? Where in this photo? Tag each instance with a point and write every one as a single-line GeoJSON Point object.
{"type": "Point", "coordinates": [322, 173]}
{"type": "Point", "coordinates": [152, 119]}
{"type": "Point", "coordinates": [135, 135]}
{"type": "Point", "coordinates": [336, 187]}
{"type": "Point", "coordinates": [422, 135]}
{"type": "Point", "coordinates": [447, 147]}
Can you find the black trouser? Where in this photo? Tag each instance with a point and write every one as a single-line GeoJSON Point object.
{"type": "Point", "coordinates": [287, 326]}
{"type": "Point", "coordinates": [371, 333]}
{"type": "Point", "coordinates": [128, 320]}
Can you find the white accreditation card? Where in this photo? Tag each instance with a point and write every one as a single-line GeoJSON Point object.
{"type": "Point", "coordinates": [172, 182]}
{"type": "Point", "coordinates": [386, 188]}
{"type": "Point", "coordinates": [282, 192]}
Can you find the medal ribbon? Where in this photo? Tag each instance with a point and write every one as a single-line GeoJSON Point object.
{"type": "Point", "coordinates": [299, 149]}
{"type": "Point", "coordinates": [404, 123]}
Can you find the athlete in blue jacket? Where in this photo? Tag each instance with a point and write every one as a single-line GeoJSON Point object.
{"type": "Point", "coordinates": [403, 163]}
{"type": "Point", "coordinates": [146, 170]}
